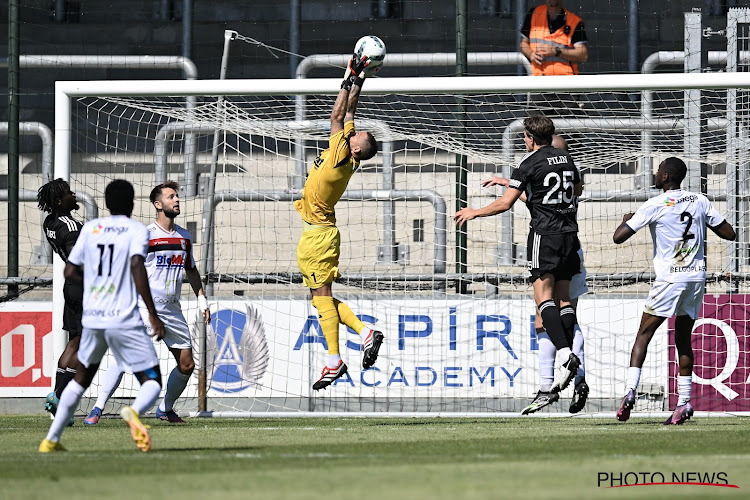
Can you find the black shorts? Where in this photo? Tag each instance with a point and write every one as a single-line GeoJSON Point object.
{"type": "Point", "coordinates": [553, 253]}
{"type": "Point", "coordinates": [73, 310]}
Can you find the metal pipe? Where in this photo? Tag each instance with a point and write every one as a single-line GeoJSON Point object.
{"type": "Point", "coordinates": [13, 139]}
{"type": "Point", "coordinates": [437, 201]}
{"type": "Point", "coordinates": [45, 134]}
{"type": "Point", "coordinates": [127, 62]}
{"type": "Point", "coordinates": [633, 38]}
{"type": "Point", "coordinates": [672, 58]}
{"type": "Point", "coordinates": [294, 23]}
{"type": "Point", "coordinates": [399, 60]}
{"type": "Point", "coordinates": [187, 29]}
{"type": "Point", "coordinates": [90, 208]}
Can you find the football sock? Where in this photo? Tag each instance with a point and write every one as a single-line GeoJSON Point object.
{"type": "Point", "coordinates": [333, 360]}
{"type": "Point", "coordinates": [578, 350]}
{"type": "Point", "coordinates": [684, 388]}
{"type": "Point", "coordinates": [66, 377]}
{"type": "Point", "coordinates": [547, 353]}
{"type": "Point", "coordinates": [634, 376]}
{"type": "Point", "coordinates": [112, 379]}
{"type": "Point", "coordinates": [176, 383]}
{"type": "Point", "coordinates": [348, 318]}
{"type": "Point", "coordinates": [146, 397]}
{"type": "Point", "coordinates": [553, 324]}
{"type": "Point", "coordinates": [568, 319]}
{"type": "Point", "coordinates": [328, 318]}
{"type": "Point", "coordinates": [60, 381]}
{"type": "Point", "coordinates": [65, 408]}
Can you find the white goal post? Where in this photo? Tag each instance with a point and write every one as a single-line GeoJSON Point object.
{"type": "Point", "coordinates": [450, 348]}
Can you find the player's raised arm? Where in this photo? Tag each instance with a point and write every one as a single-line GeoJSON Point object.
{"type": "Point", "coordinates": [138, 270]}
{"type": "Point", "coordinates": [623, 231]}
{"type": "Point", "coordinates": [724, 231]}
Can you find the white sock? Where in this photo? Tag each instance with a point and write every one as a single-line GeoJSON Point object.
{"type": "Point", "coordinates": [634, 376]}
{"type": "Point", "coordinates": [69, 399]}
{"type": "Point", "coordinates": [176, 383]}
{"type": "Point", "coordinates": [333, 360]}
{"type": "Point", "coordinates": [547, 353]}
{"type": "Point", "coordinates": [578, 350]}
{"type": "Point", "coordinates": [112, 379]}
{"type": "Point", "coordinates": [684, 388]}
{"type": "Point", "coordinates": [365, 331]}
{"type": "Point", "coordinates": [564, 353]}
{"type": "Point", "coordinates": [147, 395]}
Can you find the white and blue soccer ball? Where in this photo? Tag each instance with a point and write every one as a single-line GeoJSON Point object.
{"type": "Point", "coordinates": [374, 48]}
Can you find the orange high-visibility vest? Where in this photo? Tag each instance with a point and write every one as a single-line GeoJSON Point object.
{"type": "Point", "coordinates": [539, 34]}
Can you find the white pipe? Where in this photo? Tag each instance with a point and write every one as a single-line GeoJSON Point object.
{"type": "Point", "coordinates": [128, 62]}
{"type": "Point", "coordinates": [62, 170]}
{"type": "Point", "coordinates": [474, 84]}
{"type": "Point", "coordinates": [417, 60]}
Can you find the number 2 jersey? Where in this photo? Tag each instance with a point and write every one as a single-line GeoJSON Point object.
{"type": "Point", "coordinates": [678, 220]}
{"type": "Point", "coordinates": [104, 250]}
{"type": "Point", "coordinates": [169, 252]}
{"type": "Point", "coordinates": [548, 176]}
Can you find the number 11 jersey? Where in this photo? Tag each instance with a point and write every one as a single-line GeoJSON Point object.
{"type": "Point", "coordinates": [104, 249]}
{"type": "Point", "coordinates": [548, 176]}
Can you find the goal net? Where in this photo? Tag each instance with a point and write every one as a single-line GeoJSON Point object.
{"type": "Point", "coordinates": [455, 308]}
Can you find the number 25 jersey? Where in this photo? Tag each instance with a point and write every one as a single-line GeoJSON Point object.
{"type": "Point", "coordinates": [548, 176]}
{"type": "Point", "coordinates": [678, 220]}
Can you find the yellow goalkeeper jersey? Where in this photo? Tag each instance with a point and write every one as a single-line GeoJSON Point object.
{"type": "Point", "coordinates": [327, 180]}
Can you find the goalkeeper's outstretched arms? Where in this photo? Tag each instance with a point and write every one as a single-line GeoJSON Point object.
{"type": "Point", "coordinates": [346, 101]}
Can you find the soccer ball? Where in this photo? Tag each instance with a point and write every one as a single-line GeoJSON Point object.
{"type": "Point", "coordinates": [374, 48]}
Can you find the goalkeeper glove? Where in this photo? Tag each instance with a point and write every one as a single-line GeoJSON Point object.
{"type": "Point", "coordinates": [355, 72]}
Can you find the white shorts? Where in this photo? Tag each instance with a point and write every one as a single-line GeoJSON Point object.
{"type": "Point", "coordinates": [675, 299]}
{"type": "Point", "coordinates": [176, 331]}
{"type": "Point", "coordinates": [132, 348]}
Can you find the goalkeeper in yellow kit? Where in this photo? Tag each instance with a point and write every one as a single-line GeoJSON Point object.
{"type": "Point", "coordinates": [319, 247]}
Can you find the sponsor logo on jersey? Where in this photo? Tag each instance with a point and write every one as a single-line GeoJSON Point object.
{"type": "Point", "coordinates": [97, 229]}
{"type": "Point", "coordinates": [236, 348]}
{"type": "Point", "coordinates": [170, 260]}
{"type": "Point", "coordinates": [98, 292]}
{"type": "Point", "coordinates": [669, 201]}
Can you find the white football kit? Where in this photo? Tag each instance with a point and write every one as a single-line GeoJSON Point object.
{"type": "Point", "coordinates": [168, 253]}
{"type": "Point", "coordinates": [110, 305]}
{"type": "Point", "coordinates": [678, 221]}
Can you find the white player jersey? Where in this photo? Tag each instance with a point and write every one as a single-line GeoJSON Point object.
{"type": "Point", "coordinates": [104, 249]}
{"type": "Point", "coordinates": [168, 253]}
{"type": "Point", "coordinates": [678, 220]}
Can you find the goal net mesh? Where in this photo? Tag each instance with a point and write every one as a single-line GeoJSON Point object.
{"type": "Point", "coordinates": [454, 342]}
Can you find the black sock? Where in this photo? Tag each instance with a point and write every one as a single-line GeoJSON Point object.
{"type": "Point", "coordinates": [60, 381]}
{"type": "Point", "coordinates": [66, 378]}
{"type": "Point", "coordinates": [569, 320]}
{"type": "Point", "coordinates": [553, 324]}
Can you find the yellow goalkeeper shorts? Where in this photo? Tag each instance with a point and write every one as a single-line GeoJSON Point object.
{"type": "Point", "coordinates": [318, 255]}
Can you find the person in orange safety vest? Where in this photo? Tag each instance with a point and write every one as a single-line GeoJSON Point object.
{"type": "Point", "coordinates": [553, 40]}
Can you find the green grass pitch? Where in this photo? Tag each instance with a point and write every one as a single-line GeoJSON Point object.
{"type": "Point", "coordinates": [374, 458]}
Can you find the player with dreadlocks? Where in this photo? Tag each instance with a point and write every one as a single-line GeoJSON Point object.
{"type": "Point", "coordinates": [62, 231]}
